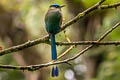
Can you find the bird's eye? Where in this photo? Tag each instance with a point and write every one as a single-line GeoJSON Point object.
{"type": "Point", "coordinates": [57, 6]}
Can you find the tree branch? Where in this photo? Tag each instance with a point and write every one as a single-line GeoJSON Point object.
{"type": "Point", "coordinates": [25, 45]}
{"type": "Point", "coordinates": [89, 43]}
{"type": "Point", "coordinates": [39, 66]}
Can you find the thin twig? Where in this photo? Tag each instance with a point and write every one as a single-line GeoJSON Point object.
{"type": "Point", "coordinates": [89, 43]}
{"type": "Point", "coordinates": [115, 5]}
{"type": "Point", "coordinates": [66, 51]}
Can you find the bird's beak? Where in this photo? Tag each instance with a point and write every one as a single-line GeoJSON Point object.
{"type": "Point", "coordinates": [62, 6]}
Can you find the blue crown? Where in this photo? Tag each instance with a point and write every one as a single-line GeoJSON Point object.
{"type": "Point", "coordinates": [55, 5]}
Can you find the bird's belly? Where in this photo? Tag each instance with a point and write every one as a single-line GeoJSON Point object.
{"type": "Point", "coordinates": [53, 28]}
{"type": "Point", "coordinates": [53, 22]}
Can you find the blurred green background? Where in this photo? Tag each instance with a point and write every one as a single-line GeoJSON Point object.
{"type": "Point", "coordinates": [23, 20]}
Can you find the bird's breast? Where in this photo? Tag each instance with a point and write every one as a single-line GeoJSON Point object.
{"type": "Point", "coordinates": [53, 21]}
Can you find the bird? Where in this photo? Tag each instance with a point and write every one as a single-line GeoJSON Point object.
{"type": "Point", "coordinates": [53, 21]}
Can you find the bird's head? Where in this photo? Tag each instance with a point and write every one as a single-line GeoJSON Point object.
{"type": "Point", "coordinates": [56, 6]}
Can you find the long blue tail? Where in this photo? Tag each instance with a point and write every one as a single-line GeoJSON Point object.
{"type": "Point", "coordinates": [53, 47]}
{"type": "Point", "coordinates": [55, 71]}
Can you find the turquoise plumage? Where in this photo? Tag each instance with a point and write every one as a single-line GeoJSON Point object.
{"type": "Point", "coordinates": [53, 21]}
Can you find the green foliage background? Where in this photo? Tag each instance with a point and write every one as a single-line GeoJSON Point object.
{"type": "Point", "coordinates": [32, 14]}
